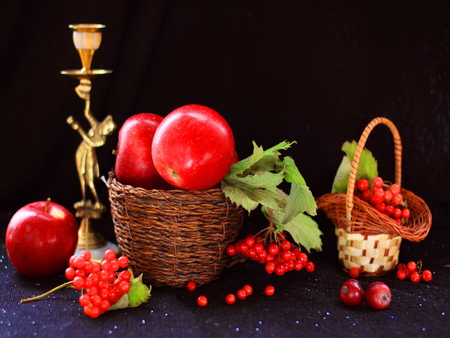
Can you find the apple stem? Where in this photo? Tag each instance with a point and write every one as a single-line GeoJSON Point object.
{"type": "Point", "coordinates": [47, 293]}
{"type": "Point", "coordinates": [47, 205]}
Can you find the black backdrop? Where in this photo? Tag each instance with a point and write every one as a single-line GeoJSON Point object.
{"type": "Point", "coordinates": [275, 70]}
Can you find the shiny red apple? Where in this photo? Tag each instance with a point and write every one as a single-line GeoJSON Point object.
{"type": "Point", "coordinates": [40, 238]}
{"type": "Point", "coordinates": [134, 163]}
{"type": "Point", "coordinates": [193, 147]}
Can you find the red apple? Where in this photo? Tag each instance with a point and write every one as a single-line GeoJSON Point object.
{"type": "Point", "coordinates": [193, 147]}
{"type": "Point", "coordinates": [378, 296]}
{"type": "Point", "coordinates": [40, 238]}
{"type": "Point", "coordinates": [134, 164]}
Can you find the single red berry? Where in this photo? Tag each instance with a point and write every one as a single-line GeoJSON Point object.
{"type": "Point", "coordinates": [86, 255]}
{"type": "Point", "coordinates": [273, 249]}
{"type": "Point", "coordinates": [285, 245]}
{"type": "Point", "coordinates": [354, 272]}
{"type": "Point", "coordinates": [191, 285]}
{"type": "Point", "coordinates": [258, 247]}
{"type": "Point", "coordinates": [202, 301]}
{"type": "Point", "coordinates": [397, 213]}
{"type": "Point", "coordinates": [310, 267]}
{"type": "Point", "coordinates": [379, 192]}
{"type": "Point", "coordinates": [395, 189]}
{"type": "Point", "coordinates": [78, 283]}
{"type": "Point", "coordinates": [362, 184]}
{"type": "Point", "coordinates": [248, 289]}
{"type": "Point", "coordinates": [388, 196]}
{"type": "Point", "coordinates": [406, 213]}
{"type": "Point", "coordinates": [231, 250]}
{"type": "Point", "coordinates": [401, 266]}
{"type": "Point", "coordinates": [377, 182]}
{"type": "Point", "coordinates": [250, 241]}
{"type": "Point", "coordinates": [381, 207]}
{"type": "Point", "coordinates": [230, 299]}
{"type": "Point", "coordinates": [280, 270]}
{"type": "Point", "coordinates": [70, 273]}
{"type": "Point", "coordinates": [389, 209]}
{"type": "Point", "coordinates": [269, 290]}
{"type": "Point", "coordinates": [427, 275]}
{"type": "Point", "coordinates": [241, 294]}
{"type": "Point", "coordinates": [123, 261]}
{"type": "Point", "coordinates": [366, 195]}
{"type": "Point", "coordinates": [270, 267]}
{"type": "Point", "coordinates": [415, 277]}
{"type": "Point", "coordinates": [109, 255]}
{"type": "Point", "coordinates": [397, 199]}
{"type": "Point", "coordinates": [84, 300]}
{"type": "Point", "coordinates": [412, 266]}
{"type": "Point", "coordinates": [401, 274]}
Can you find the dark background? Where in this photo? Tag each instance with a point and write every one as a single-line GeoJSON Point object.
{"type": "Point", "coordinates": [312, 72]}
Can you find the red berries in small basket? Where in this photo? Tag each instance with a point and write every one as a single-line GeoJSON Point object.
{"type": "Point", "coordinates": [387, 199]}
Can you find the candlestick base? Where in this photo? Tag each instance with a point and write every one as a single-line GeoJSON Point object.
{"type": "Point", "coordinates": [88, 238]}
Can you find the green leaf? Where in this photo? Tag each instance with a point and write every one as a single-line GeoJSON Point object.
{"type": "Point", "coordinates": [245, 164]}
{"type": "Point", "coordinates": [291, 171]}
{"type": "Point", "coordinates": [300, 200]}
{"type": "Point", "coordinates": [274, 151]}
{"type": "Point", "coordinates": [139, 293]}
{"type": "Point", "coordinates": [303, 229]}
{"type": "Point", "coordinates": [251, 190]}
{"type": "Point", "coordinates": [367, 167]}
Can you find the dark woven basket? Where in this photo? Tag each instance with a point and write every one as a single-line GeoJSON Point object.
{"type": "Point", "coordinates": [174, 236]}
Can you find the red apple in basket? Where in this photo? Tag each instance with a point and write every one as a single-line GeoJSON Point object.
{"type": "Point", "coordinates": [40, 238]}
{"type": "Point", "coordinates": [134, 163]}
{"type": "Point", "coordinates": [193, 147]}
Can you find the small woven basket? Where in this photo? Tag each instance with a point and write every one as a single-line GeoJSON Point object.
{"type": "Point", "coordinates": [174, 236]}
{"type": "Point", "coordinates": [368, 239]}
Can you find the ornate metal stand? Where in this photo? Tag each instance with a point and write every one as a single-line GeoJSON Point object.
{"type": "Point", "coordinates": [87, 39]}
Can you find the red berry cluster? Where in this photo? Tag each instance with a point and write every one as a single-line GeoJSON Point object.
{"type": "Point", "coordinates": [103, 283]}
{"type": "Point", "coordinates": [386, 199]}
{"type": "Point", "coordinates": [279, 257]}
{"type": "Point", "coordinates": [413, 272]}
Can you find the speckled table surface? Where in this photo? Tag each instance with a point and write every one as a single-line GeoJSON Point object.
{"type": "Point", "coordinates": [304, 304]}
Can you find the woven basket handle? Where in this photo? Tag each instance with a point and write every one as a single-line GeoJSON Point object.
{"type": "Point", "coordinates": [358, 152]}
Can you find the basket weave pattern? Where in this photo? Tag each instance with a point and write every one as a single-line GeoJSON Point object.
{"type": "Point", "coordinates": [174, 236]}
{"type": "Point", "coordinates": [367, 238]}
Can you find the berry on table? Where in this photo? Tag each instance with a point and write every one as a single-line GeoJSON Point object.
{"type": "Point", "coordinates": [230, 299]}
{"type": "Point", "coordinates": [269, 290]}
{"type": "Point", "coordinates": [354, 272]}
{"type": "Point", "coordinates": [191, 285]}
{"type": "Point", "coordinates": [202, 301]}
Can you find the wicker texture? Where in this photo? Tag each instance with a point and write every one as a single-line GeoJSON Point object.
{"type": "Point", "coordinates": [174, 236]}
{"type": "Point", "coordinates": [367, 238]}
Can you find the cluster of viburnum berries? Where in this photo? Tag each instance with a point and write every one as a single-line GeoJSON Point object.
{"type": "Point", "coordinates": [103, 283]}
{"type": "Point", "coordinates": [279, 256]}
{"type": "Point", "coordinates": [386, 199]}
{"type": "Point", "coordinates": [413, 272]}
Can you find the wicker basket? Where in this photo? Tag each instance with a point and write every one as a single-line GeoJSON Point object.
{"type": "Point", "coordinates": [367, 238]}
{"type": "Point", "coordinates": [174, 236]}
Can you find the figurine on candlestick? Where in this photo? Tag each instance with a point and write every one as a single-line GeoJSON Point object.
{"type": "Point", "coordinates": [87, 39]}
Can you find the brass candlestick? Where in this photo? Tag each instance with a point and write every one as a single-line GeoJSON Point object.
{"type": "Point", "coordinates": [87, 39]}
